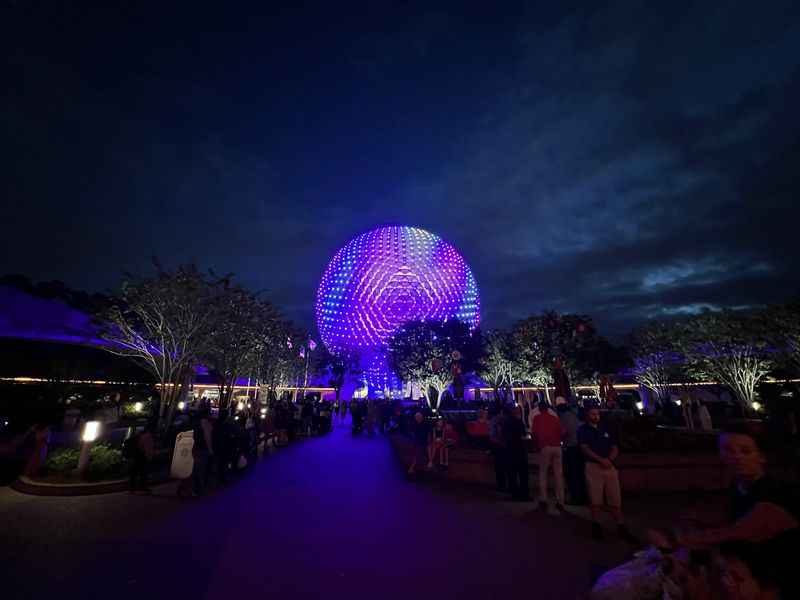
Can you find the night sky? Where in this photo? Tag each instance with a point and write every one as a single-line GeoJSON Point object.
{"type": "Point", "coordinates": [626, 162]}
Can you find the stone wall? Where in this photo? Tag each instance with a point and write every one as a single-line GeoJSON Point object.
{"type": "Point", "coordinates": [652, 473]}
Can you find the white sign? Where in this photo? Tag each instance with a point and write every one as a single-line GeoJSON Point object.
{"type": "Point", "coordinates": [182, 461]}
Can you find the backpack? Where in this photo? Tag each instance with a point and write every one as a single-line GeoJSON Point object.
{"type": "Point", "coordinates": [130, 447]}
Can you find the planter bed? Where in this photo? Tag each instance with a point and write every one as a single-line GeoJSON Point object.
{"type": "Point", "coordinates": [37, 487]}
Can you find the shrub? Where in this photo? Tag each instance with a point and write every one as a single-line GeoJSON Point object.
{"type": "Point", "coordinates": [104, 462]}
{"type": "Point", "coordinates": [62, 461]}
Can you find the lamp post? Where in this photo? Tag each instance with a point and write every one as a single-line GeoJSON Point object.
{"type": "Point", "coordinates": [90, 433]}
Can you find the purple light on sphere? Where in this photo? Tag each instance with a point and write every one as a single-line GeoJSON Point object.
{"type": "Point", "coordinates": [385, 278]}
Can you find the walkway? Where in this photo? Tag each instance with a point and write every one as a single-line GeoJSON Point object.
{"type": "Point", "coordinates": [331, 516]}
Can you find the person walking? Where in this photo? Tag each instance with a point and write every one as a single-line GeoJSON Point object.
{"type": "Point", "coordinates": [547, 432]}
{"type": "Point", "coordinates": [307, 414]}
{"type": "Point", "coordinates": [372, 417]}
{"type": "Point", "coordinates": [41, 442]}
{"type": "Point", "coordinates": [686, 409]}
{"type": "Point", "coordinates": [421, 433]}
{"type": "Point", "coordinates": [224, 443]}
{"type": "Point", "coordinates": [572, 456]}
{"type": "Point", "coordinates": [439, 444]}
{"type": "Point", "coordinates": [202, 452]}
{"type": "Point", "coordinates": [517, 455]}
{"type": "Point", "coordinates": [385, 416]}
{"type": "Point", "coordinates": [600, 449]}
{"type": "Point", "coordinates": [703, 416]}
{"type": "Point", "coordinates": [498, 446]}
{"type": "Point", "coordinates": [141, 453]}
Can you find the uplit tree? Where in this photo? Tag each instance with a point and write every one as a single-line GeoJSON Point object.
{"type": "Point", "coordinates": [336, 367]}
{"type": "Point", "coordinates": [241, 326]}
{"type": "Point", "coordinates": [425, 353]}
{"type": "Point", "coordinates": [163, 323]}
{"type": "Point", "coordinates": [503, 364]}
{"type": "Point", "coordinates": [655, 358]}
{"type": "Point", "coordinates": [280, 361]}
{"type": "Point", "coordinates": [782, 324]}
{"type": "Point", "coordinates": [729, 347]}
{"type": "Point", "coordinates": [550, 336]}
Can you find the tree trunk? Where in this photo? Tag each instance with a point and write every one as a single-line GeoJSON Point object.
{"type": "Point", "coordinates": [221, 391]}
{"type": "Point", "coordinates": [162, 400]}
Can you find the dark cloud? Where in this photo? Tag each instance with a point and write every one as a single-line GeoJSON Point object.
{"type": "Point", "coordinates": [622, 161]}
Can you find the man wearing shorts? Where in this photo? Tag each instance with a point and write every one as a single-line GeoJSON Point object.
{"type": "Point", "coordinates": [600, 449]}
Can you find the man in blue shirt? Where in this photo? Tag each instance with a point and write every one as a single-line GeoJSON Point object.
{"type": "Point", "coordinates": [600, 450]}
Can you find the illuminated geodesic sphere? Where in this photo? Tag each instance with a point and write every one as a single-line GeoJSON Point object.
{"type": "Point", "coordinates": [385, 278]}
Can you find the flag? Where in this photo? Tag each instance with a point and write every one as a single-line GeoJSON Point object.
{"type": "Point", "coordinates": [302, 352]}
{"type": "Point", "coordinates": [312, 345]}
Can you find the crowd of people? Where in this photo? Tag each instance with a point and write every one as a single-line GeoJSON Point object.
{"type": "Point", "coordinates": [225, 444]}
{"type": "Point", "coordinates": [222, 444]}
{"type": "Point", "coordinates": [746, 554]}
{"type": "Point", "coordinates": [373, 415]}
{"type": "Point", "coordinates": [580, 459]}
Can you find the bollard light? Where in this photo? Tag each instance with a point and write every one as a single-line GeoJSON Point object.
{"type": "Point", "coordinates": [640, 406]}
{"type": "Point", "coordinates": [756, 405]}
{"type": "Point", "coordinates": [90, 431]}
{"type": "Point", "coordinates": [181, 405]}
{"type": "Point", "coordinates": [138, 407]}
{"type": "Point", "coordinates": [240, 406]}
{"type": "Point", "coordinates": [263, 412]}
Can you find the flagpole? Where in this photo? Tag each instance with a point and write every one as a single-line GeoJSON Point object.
{"type": "Point", "coordinates": [305, 376]}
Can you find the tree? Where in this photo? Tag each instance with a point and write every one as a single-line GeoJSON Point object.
{"type": "Point", "coordinates": [241, 326]}
{"type": "Point", "coordinates": [782, 324]}
{"type": "Point", "coordinates": [426, 352]}
{"type": "Point", "coordinates": [550, 336]}
{"type": "Point", "coordinates": [281, 363]}
{"type": "Point", "coordinates": [338, 366]}
{"type": "Point", "coordinates": [503, 364]}
{"type": "Point", "coordinates": [163, 323]}
{"type": "Point", "coordinates": [728, 347]}
{"type": "Point", "coordinates": [655, 358]}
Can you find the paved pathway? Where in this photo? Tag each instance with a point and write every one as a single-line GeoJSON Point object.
{"type": "Point", "coordinates": [332, 516]}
